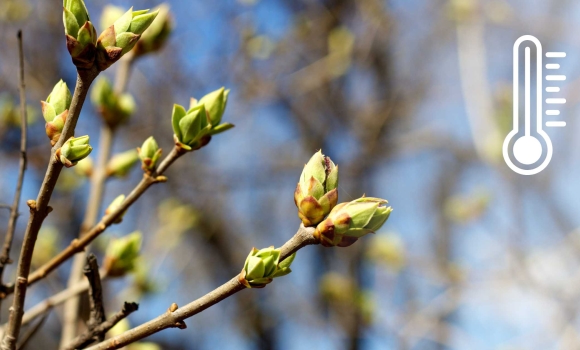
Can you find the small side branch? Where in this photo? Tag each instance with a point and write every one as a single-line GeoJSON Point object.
{"type": "Point", "coordinates": [5, 257]}
{"type": "Point", "coordinates": [175, 316]}
{"type": "Point", "coordinates": [99, 331]}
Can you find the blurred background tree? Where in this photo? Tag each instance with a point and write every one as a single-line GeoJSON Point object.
{"type": "Point", "coordinates": [408, 97]}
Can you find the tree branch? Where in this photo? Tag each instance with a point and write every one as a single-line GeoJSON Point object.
{"type": "Point", "coordinates": [99, 331]}
{"type": "Point", "coordinates": [39, 209]}
{"type": "Point", "coordinates": [5, 257]}
{"type": "Point", "coordinates": [174, 317]}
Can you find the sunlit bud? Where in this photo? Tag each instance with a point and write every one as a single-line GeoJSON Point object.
{"type": "Point", "coordinates": [122, 254]}
{"type": "Point", "coordinates": [262, 266]}
{"type": "Point", "coordinates": [81, 36]}
{"type": "Point", "coordinates": [191, 127]}
{"type": "Point", "coordinates": [149, 154]}
{"type": "Point", "coordinates": [55, 110]}
{"type": "Point", "coordinates": [156, 35]}
{"type": "Point", "coordinates": [215, 104]}
{"type": "Point", "coordinates": [121, 37]}
{"type": "Point", "coordinates": [120, 164]}
{"type": "Point", "coordinates": [316, 193]}
{"type": "Point", "coordinates": [84, 167]}
{"type": "Point", "coordinates": [116, 204]}
{"type": "Point", "coordinates": [348, 222]}
{"type": "Point", "coordinates": [73, 150]}
{"type": "Point", "coordinates": [114, 108]}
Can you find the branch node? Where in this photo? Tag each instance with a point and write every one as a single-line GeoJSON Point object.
{"type": "Point", "coordinates": [180, 325]}
{"type": "Point", "coordinates": [173, 307]}
{"type": "Point", "coordinates": [31, 204]}
{"type": "Point", "coordinates": [161, 178]}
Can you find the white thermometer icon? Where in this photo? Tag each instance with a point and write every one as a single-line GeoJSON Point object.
{"type": "Point", "coordinates": [528, 146]}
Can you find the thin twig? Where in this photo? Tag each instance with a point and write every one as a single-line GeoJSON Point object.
{"type": "Point", "coordinates": [99, 331]}
{"type": "Point", "coordinates": [94, 204]}
{"type": "Point", "coordinates": [175, 316]}
{"type": "Point", "coordinates": [5, 257]}
{"type": "Point", "coordinates": [31, 332]}
{"type": "Point", "coordinates": [97, 315]}
{"type": "Point", "coordinates": [39, 209]}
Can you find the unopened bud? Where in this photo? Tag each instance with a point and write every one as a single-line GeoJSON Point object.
{"type": "Point", "coordinates": [262, 266]}
{"type": "Point", "coordinates": [116, 204]}
{"type": "Point", "coordinates": [73, 150]}
{"type": "Point", "coordinates": [120, 164]}
{"type": "Point", "coordinates": [114, 108]}
{"type": "Point", "coordinates": [348, 222]}
{"type": "Point", "coordinates": [122, 254]}
{"type": "Point", "coordinates": [55, 110]}
{"type": "Point", "coordinates": [149, 154]}
{"type": "Point", "coordinates": [81, 36]}
{"type": "Point", "coordinates": [316, 193]}
{"type": "Point", "coordinates": [122, 36]}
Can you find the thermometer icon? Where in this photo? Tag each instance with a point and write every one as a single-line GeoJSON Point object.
{"type": "Point", "coordinates": [527, 149]}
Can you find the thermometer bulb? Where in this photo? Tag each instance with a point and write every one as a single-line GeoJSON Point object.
{"type": "Point", "coordinates": [527, 143]}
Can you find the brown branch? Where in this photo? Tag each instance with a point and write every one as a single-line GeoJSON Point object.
{"type": "Point", "coordinates": [97, 316]}
{"type": "Point", "coordinates": [175, 316]}
{"type": "Point", "coordinates": [99, 331]}
{"type": "Point", "coordinates": [5, 257]}
{"type": "Point", "coordinates": [39, 209]}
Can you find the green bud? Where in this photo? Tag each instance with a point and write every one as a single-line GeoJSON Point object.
{"type": "Point", "coordinates": [215, 104]}
{"type": "Point", "coordinates": [81, 36]}
{"type": "Point", "coordinates": [114, 108]}
{"type": "Point", "coordinates": [149, 154]}
{"type": "Point", "coordinates": [191, 128]}
{"type": "Point", "coordinates": [156, 35]}
{"type": "Point", "coordinates": [120, 164]}
{"type": "Point", "coordinates": [316, 193]}
{"type": "Point", "coordinates": [78, 10]}
{"type": "Point", "coordinates": [55, 110]}
{"type": "Point", "coordinates": [262, 266]}
{"type": "Point", "coordinates": [121, 37]}
{"type": "Point", "coordinates": [116, 204]}
{"type": "Point", "coordinates": [348, 222]}
{"type": "Point", "coordinates": [84, 167]}
{"type": "Point", "coordinates": [73, 150]}
{"type": "Point", "coordinates": [122, 254]}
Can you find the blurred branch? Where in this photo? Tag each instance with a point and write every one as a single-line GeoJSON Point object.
{"type": "Point", "coordinates": [94, 204]}
{"type": "Point", "coordinates": [5, 257]}
{"type": "Point", "coordinates": [174, 316]}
